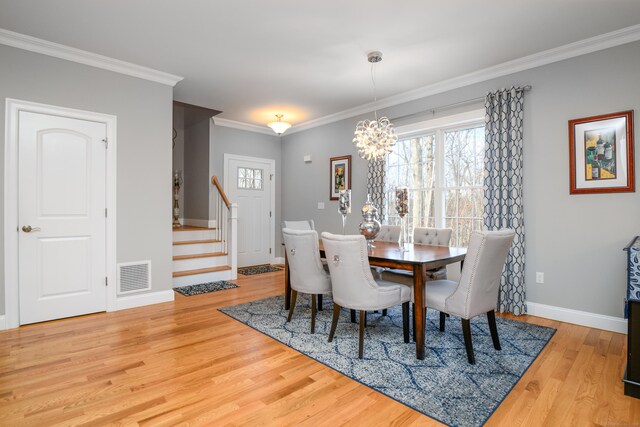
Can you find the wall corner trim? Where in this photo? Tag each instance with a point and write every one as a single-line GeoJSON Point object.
{"type": "Point", "coordinates": [44, 47]}
{"type": "Point", "coordinates": [577, 317]}
{"type": "Point", "coordinates": [132, 301]}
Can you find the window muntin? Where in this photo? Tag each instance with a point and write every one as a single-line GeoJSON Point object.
{"type": "Point", "coordinates": [250, 179]}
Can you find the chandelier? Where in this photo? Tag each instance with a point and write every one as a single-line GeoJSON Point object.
{"type": "Point", "coordinates": [374, 139]}
{"type": "Point", "coordinates": [279, 126]}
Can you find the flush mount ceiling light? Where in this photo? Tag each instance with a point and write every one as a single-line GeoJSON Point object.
{"type": "Point", "coordinates": [279, 126]}
{"type": "Point", "coordinates": [374, 139]}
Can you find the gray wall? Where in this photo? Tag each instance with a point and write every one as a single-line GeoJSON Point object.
{"type": "Point", "coordinates": [243, 143]}
{"type": "Point", "coordinates": [143, 110]}
{"type": "Point", "coordinates": [576, 241]}
{"type": "Point", "coordinates": [196, 170]}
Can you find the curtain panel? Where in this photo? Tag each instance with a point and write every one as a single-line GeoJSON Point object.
{"type": "Point", "coordinates": [503, 204]}
{"type": "Point", "coordinates": [376, 185]}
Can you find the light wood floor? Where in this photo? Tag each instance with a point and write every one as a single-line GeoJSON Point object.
{"type": "Point", "coordinates": [185, 362]}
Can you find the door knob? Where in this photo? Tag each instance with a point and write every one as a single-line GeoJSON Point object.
{"type": "Point", "coordinates": [29, 229]}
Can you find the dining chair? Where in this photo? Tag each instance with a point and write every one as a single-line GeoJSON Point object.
{"type": "Point", "coordinates": [477, 291]}
{"type": "Point", "coordinates": [299, 225]}
{"type": "Point", "coordinates": [354, 287]}
{"type": "Point", "coordinates": [388, 233]}
{"type": "Point", "coordinates": [422, 236]}
{"type": "Point", "coordinates": [306, 272]}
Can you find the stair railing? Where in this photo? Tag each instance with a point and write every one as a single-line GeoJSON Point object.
{"type": "Point", "coordinates": [222, 208]}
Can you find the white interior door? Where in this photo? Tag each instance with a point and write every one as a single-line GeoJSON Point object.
{"type": "Point", "coordinates": [61, 213]}
{"type": "Point", "coordinates": [248, 183]}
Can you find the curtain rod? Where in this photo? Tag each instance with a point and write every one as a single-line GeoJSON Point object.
{"type": "Point", "coordinates": [455, 104]}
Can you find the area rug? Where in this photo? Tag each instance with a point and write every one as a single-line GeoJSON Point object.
{"type": "Point", "coordinates": [443, 386]}
{"type": "Point", "coordinates": [248, 271]}
{"type": "Point", "coordinates": [204, 288]}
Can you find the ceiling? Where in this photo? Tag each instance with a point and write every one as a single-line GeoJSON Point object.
{"type": "Point", "coordinates": [252, 59]}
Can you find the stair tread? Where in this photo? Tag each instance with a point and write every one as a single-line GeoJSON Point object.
{"type": "Point", "coordinates": [197, 242]}
{"type": "Point", "coordinates": [194, 256]}
{"type": "Point", "coordinates": [201, 271]}
{"type": "Point", "coordinates": [190, 228]}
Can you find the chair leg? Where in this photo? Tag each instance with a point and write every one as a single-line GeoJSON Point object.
{"type": "Point", "coordinates": [491, 317]}
{"type": "Point", "coordinates": [334, 321]}
{"type": "Point", "coordinates": [292, 304]}
{"type": "Point", "coordinates": [443, 317]}
{"type": "Point", "coordinates": [405, 321]}
{"type": "Point", "coordinates": [353, 316]}
{"type": "Point", "coordinates": [319, 302]}
{"type": "Point", "coordinates": [384, 312]}
{"type": "Point", "coordinates": [313, 314]}
{"type": "Point", "coordinates": [413, 308]}
{"type": "Point", "coordinates": [466, 331]}
{"type": "Point", "coordinates": [363, 320]}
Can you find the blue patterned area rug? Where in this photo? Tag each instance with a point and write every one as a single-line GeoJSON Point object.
{"type": "Point", "coordinates": [443, 386]}
{"type": "Point", "coordinates": [204, 288]}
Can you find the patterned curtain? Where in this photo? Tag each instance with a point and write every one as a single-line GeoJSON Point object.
{"type": "Point", "coordinates": [503, 188]}
{"type": "Point", "coordinates": [375, 186]}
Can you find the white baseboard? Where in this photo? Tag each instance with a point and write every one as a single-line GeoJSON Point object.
{"type": "Point", "coordinates": [278, 260]}
{"type": "Point", "coordinates": [132, 301]}
{"type": "Point", "coordinates": [3, 323]}
{"type": "Point", "coordinates": [583, 318]}
{"type": "Point", "coordinates": [211, 223]}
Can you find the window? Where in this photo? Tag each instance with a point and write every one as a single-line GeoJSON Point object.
{"type": "Point", "coordinates": [250, 179]}
{"type": "Point", "coordinates": [443, 167]}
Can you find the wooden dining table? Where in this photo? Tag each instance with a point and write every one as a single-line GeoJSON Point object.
{"type": "Point", "coordinates": [418, 259]}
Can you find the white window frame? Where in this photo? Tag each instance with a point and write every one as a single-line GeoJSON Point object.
{"type": "Point", "coordinates": [438, 127]}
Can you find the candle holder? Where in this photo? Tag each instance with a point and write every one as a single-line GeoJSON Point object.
{"type": "Point", "coordinates": [177, 182]}
{"type": "Point", "coordinates": [402, 208]}
{"type": "Point", "coordinates": [344, 206]}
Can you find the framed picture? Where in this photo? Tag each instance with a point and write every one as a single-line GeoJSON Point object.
{"type": "Point", "coordinates": [340, 176]}
{"type": "Point", "coordinates": [601, 154]}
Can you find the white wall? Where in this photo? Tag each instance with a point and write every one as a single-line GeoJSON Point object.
{"type": "Point", "coordinates": [576, 241]}
{"type": "Point", "coordinates": [143, 111]}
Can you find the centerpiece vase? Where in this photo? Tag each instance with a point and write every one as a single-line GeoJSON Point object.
{"type": "Point", "coordinates": [370, 226]}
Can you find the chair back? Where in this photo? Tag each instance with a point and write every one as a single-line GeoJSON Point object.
{"type": "Point", "coordinates": [299, 225]}
{"type": "Point", "coordinates": [388, 233]}
{"type": "Point", "coordinates": [477, 291]}
{"type": "Point", "coordinates": [351, 279]}
{"type": "Point", "coordinates": [432, 236]}
{"type": "Point", "coordinates": [305, 268]}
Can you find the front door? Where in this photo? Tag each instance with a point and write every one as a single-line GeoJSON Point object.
{"type": "Point", "coordinates": [61, 213]}
{"type": "Point", "coordinates": [248, 183]}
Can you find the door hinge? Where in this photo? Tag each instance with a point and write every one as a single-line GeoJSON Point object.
{"type": "Point", "coordinates": [269, 251]}
{"type": "Point", "coordinates": [269, 214]}
{"type": "Point", "coordinates": [105, 212]}
{"type": "Point", "coordinates": [106, 143]}
{"type": "Point", "coordinates": [271, 177]}
{"type": "Point", "coordinates": [106, 281]}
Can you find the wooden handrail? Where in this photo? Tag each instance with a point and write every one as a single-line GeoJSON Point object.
{"type": "Point", "coordinates": [214, 181]}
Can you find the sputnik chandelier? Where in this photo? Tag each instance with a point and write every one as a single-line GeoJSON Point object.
{"type": "Point", "coordinates": [374, 139]}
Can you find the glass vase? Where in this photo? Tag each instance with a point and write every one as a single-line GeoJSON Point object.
{"type": "Point", "coordinates": [402, 238]}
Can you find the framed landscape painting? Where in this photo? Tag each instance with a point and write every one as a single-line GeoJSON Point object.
{"type": "Point", "coordinates": [340, 176]}
{"type": "Point", "coordinates": [601, 154]}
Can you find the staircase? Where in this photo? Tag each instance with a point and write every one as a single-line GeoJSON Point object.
{"type": "Point", "coordinates": [202, 255]}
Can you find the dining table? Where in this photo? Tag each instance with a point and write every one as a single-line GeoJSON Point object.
{"type": "Point", "coordinates": [416, 258]}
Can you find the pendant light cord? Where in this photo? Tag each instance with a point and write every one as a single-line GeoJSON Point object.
{"type": "Point", "coordinates": [375, 95]}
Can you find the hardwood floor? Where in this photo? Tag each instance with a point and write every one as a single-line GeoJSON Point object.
{"type": "Point", "coordinates": [185, 362]}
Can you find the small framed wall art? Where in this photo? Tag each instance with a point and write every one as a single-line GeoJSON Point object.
{"type": "Point", "coordinates": [601, 154]}
{"type": "Point", "coordinates": [340, 176]}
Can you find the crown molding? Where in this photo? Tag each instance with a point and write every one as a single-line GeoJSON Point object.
{"type": "Point", "coordinates": [33, 44]}
{"type": "Point", "coordinates": [571, 50]}
{"type": "Point", "coordinates": [243, 126]}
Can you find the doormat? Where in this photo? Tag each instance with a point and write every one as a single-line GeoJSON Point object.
{"type": "Point", "coordinates": [443, 386]}
{"type": "Point", "coordinates": [248, 271]}
{"type": "Point", "coordinates": [204, 288]}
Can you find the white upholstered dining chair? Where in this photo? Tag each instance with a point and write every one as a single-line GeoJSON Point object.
{"type": "Point", "coordinates": [306, 272]}
{"type": "Point", "coordinates": [388, 233]}
{"type": "Point", "coordinates": [477, 291]}
{"type": "Point", "coordinates": [299, 225]}
{"type": "Point", "coordinates": [354, 287]}
{"type": "Point", "coordinates": [422, 236]}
